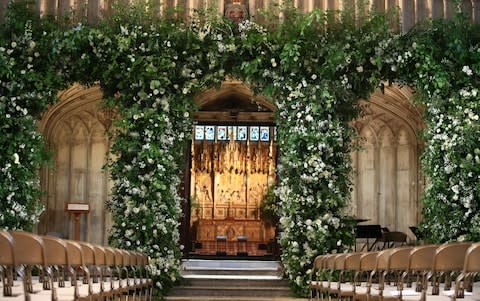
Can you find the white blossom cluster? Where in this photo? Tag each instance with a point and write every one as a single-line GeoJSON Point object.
{"type": "Point", "coordinates": [21, 143]}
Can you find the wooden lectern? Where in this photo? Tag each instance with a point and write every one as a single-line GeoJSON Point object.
{"type": "Point", "coordinates": [77, 209]}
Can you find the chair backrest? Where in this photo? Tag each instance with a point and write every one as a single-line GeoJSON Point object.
{"type": "Point", "coordinates": [118, 257]}
{"type": "Point", "coordinates": [109, 256]}
{"type": "Point", "coordinates": [146, 261]}
{"type": "Point", "coordinates": [382, 260]}
{"type": "Point", "coordinates": [368, 261]}
{"type": "Point", "coordinates": [7, 251]}
{"type": "Point", "coordinates": [330, 262]}
{"type": "Point", "coordinates": [450, 257]}
{"type": "Point", "coordinates": [398, 259]}
{"type": "Point", "coordinates": [318, 262]}
{"type": "Point", "coordinates": [421, 258]}
{"type": "Point", "coordinates": [472, 259]}
{"type": "Point", "coordinates": [134, 258]}
{"type": "Point", "coordinates": [29, 248]}
{"type": "Point", "coordinates": [75, 253]}
{"type": "Point", "coordinates": [125, 258]}
{"type": "Point", "coordinates": [100, 255]}
{"type": "Point", "coordinates": [352, 261]}
{"type": "Point", "coordinates": [56, 252]}
{"type": "Point", "coordinates": [339, 263]}
{"type": "Point", "coordinates": [88, 253]}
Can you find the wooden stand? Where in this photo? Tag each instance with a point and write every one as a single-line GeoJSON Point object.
{"type": "Point", "coordinates": [77, 209]}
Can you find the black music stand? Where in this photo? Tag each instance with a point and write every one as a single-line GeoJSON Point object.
{"type": "Point", "coordinates": [368, 232]}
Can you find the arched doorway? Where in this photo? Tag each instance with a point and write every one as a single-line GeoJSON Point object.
{"type": "Point", "coordinates": [74, 130]}
{"type": "Point", "coordinates": [387, 176]}
{"type": "Point", "coordinates": [232, 165]}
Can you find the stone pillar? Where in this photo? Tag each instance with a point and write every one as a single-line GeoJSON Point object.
{"type": "Point", "coordinates": [310, 5]}
{"type": "Point", "coordinates": [476, 12]}
{"type": "Point", "coordinates": [50, 8]}
{"type": "Point", "coordinates": [407, 14]}
{"type": "Point", "coordinates": [437, 9]}
{"type": "Point", "coordinates": [3, 9]}
{"type": "Point", "coordinates": [421, 10]}
{"type": "Point", "coordinates": [93, 10]}
{"type": "Point", "coordinates": [252, 8]}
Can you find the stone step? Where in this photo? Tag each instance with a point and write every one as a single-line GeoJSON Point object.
{"type": "Point", "coordinates": [235, 282]}
{"type": "Point", "coordinates": [233, 272]}
{"type": "Point", "coordinates": [225, 291]}
{"type": "Point", "coordinates": [217, 298]}
{"type": "Point", "coordinates": [231, 267]}
{"type": "Point", "coordinates": [231, 280]}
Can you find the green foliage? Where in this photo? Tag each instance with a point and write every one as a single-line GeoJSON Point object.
{"type": "Point", "coordinates": [268, 206]}
{"type": "Point", "coordinates": [442, 58]}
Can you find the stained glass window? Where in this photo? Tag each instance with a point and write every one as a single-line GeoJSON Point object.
{"type": "Point", "coordinates": [264, 133]}
{"type": "Point", "coordinates": [254, 132]}
{"type": "Point", "coordinates": [199, 132]}
{"type": "Point", "coordinates": [221, 133]}
{"type": "Point", "coordinates": [210, 132]}
{"type": "Point", "coordinates": [242, 133]}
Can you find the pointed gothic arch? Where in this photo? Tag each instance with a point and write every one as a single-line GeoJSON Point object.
{"type": "Point", "coordinates": [75, 132]}
{"type": "Point", "coordinates": [388, 178]}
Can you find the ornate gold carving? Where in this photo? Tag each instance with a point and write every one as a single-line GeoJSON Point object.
{"type": "Point", "coordinates": [229, 181]}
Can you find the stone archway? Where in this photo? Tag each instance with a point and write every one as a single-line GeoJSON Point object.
{"type": "Point", "coordinates": [388, 180]}
{"type": "Point", "coordinates": [74, 129]}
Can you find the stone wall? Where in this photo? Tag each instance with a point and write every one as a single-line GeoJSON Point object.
{"type": "Point", "coordinates": [411, 11]}
{"type": "Point", "coordinates": [75, 132]}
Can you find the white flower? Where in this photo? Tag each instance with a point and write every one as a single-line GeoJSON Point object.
{"type": "Point", "coordinates": [123, 30]}
{"type": "Point", "coordinates": [14, 44]}
{"type": "Point", "coordinates": [360, 69]}
{"type": "Point", "coordinates": [274, 63]}
{"type": "Point", "coordinates": [16, 158]}
{"type": "Point", "coordinates": [467, 70]}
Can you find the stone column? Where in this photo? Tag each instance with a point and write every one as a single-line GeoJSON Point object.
{"type": "Point", "coordinates": [93, 10]}
{"type": "Point", "coordinates": [407, 14]}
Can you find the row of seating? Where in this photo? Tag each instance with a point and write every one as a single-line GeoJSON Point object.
{"type": "Point", "coordinates": [411, 273]}
{"type": "Point", "coordinates": [34, 267]}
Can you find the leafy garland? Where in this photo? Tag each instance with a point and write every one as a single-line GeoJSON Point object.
{"type": "Point", "coordinates": [315, 67]}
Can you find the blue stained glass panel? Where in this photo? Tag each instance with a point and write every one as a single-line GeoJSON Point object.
{"type": "Point", "coordinates": [254, 133]}
{"type": "Point", "coordinates": [199, 132]}
{"type": "Point", "coordinates": [210, 132]}
{"type": "Point", "coordinates": [264, 133]}
{"type": "Point", "coordinates": [242, 133]}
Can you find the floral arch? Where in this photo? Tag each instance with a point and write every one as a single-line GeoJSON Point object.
{"type": "Point", "coordinates": [315, 69]}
